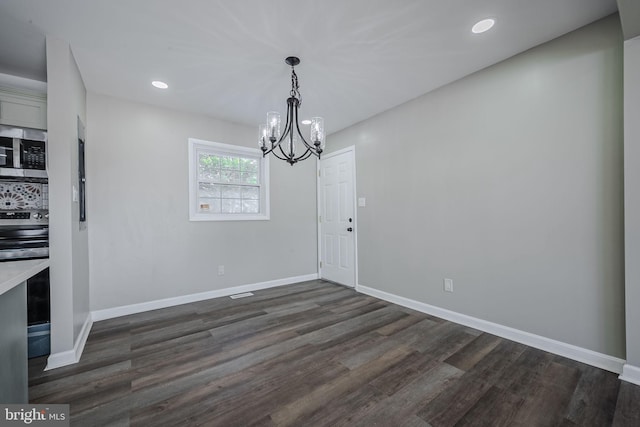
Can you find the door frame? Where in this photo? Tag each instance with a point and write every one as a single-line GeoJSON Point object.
{"type": "Point", "coordinates": [352, 149]}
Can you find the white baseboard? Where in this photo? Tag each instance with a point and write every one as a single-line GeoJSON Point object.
{"type": "Point", "coordinates": [57, 360]}
{"type": "Point", "coordinates": [630, 374]}
{"type": "Point", "coordinates": [570, 351]}
{"type": "Point", "coordinates": [110, 313]}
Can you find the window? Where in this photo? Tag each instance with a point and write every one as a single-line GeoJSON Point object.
{"type": "Point", "coordinates": [227, 182]}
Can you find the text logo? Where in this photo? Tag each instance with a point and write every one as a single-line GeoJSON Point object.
{"type": "Point", "coordinates": [34, 415]}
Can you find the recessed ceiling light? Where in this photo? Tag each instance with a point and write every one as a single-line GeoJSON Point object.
{"type": "Point", "coordinates": [482, 26]}
{"type": "Point", "coordinates": [306, 122]}
{"type": "Point", "coordinates": [159, 84]}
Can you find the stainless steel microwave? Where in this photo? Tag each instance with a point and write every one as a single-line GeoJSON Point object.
{"type": "Point", "coordinates": [23, 152]}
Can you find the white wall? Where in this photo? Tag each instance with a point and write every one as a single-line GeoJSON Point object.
{"type": "Point", "coordinates": [143, 247]}
{"type": "Point", "coordinates": [632, 196]}
{"type": "Point", "coordinates": [508, 181]}
{"type": "Point", "coordinates": [68, 243]}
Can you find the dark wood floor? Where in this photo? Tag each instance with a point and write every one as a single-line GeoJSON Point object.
{"type": "Point", "coordinates": [317, 354]}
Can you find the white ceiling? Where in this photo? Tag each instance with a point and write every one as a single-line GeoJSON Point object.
{"type": "Point", "coordinates": [225, 58]}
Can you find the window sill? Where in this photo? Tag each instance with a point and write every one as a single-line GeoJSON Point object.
{"type": "Point", "coordinates": [230, 217]}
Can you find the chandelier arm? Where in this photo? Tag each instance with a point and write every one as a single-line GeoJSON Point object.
{"type": "Point", "coordinates": [275, 153]}
{"type": "Point", "coordinates": [304, 141]}
{"type": "Point", "coordinates": [287, 126]}
{"type": "Point", "coordinates": [306, 155]}
{"type": "Point", "coordinates": [273, 147]}
{"type": "Point", "coordinates": [283, 153]}
{"type": "Point", "coordinates": [270, 150]}
{"type": "Point", "coordinates": [277, 144]}
{"type": "Point", "coordinates": [292, 108]}
{"type": "Point", "coordinates": [315, 153]}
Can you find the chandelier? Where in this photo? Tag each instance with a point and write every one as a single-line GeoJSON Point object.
{"type": "Point", "coordinates": [285, 145]}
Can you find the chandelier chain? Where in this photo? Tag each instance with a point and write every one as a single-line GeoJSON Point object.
{"type": "Point", "coordinates": [295, 87]}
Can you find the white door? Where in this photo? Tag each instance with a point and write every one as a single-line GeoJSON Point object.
{"type": "Point", "coordinates": [337, 225]}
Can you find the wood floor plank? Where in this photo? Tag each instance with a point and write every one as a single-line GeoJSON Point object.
{"type": "Point", "coordinates": [525, 372]}
{"type": "Point", "coordinates": [399, 325]}
{"type": "Point", "coordinates": [408, 400]}
{"type": "Point", "coordinates": [497, 405]}
{"type": "Point", "coordinates": [593, 402]}
{"type": "Point", "coordinates": [452, 404]}
{"type": "Point", "coordinates": [627, 412]}
{"type": "Point", "coordinates": [473, 352]}
{"type": "Point", "coordinates": [404, 373]}
{"type": "Point", "coordinates": [339, 412]}
{"type": "Point", "coordinates": [628, 402]}
{"type": "Point", "coordinates": [244, 396]}
{"type": "Point", "coordinates": [307, 404]}
{"type": "Point", "coordinates": [414, 335]}
{"type": "Point", "coordinates": [70, 384]}
{"type": "Point", "coordinates": [319, 354]}
{"type": "Point", "coordinates": [549, 397]}
{"type": "Point", "coordinates": [445, 340]}
{"type": "Point", "coordinates": [373, 348]}
{"type": "Point", "coordinates": [333, 319]}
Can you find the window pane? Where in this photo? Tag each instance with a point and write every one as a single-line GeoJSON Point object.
{"type": "Point", "coordinates": [209, 205]}
{"type": "Point", "coordinates": [230, 176]}
{"type": "Point", "coordinates": [251, 193]}
{"type": "Point", "coordinates": [231, 191]}
{"type": "Point", "coordinates": [249, 178]}
{"type": "Point", "coordinates": [209, 190]}
{"type": "Point", "coordinates": [231, 206]}
{"type": "Point", "coordinates": [249, 165]}
{"type": "Point", "coordinates": [208, 166]}
{"type": "Point", "coordinates": [209, 160]}
{"type": "Point", "coordinates": [228, 162]}
{"type": "Point", "coordinates": [250, 206]}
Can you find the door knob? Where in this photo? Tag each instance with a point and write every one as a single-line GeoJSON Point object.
{"type": "Point", "coordinates": [349, 229]}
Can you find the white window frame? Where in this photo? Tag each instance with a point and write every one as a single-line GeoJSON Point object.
{"type": "Point", "coordinates": [197, 146]}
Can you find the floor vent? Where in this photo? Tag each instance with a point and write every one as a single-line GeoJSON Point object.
{"type": "Point", "coordinates": [244, 295]}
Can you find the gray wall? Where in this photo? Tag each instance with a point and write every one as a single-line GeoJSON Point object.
{"type": "Point", "coordinates": [508, 181]}
{"type": "Point", "coordinates": [632, 196]}
{"type": "Point", "coordinates": [68, 242]}
{"type": "Point", "coordinates": [143, 246]}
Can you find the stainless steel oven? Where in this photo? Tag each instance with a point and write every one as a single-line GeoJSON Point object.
{"type": "Point", "coordinates": [24, 219]}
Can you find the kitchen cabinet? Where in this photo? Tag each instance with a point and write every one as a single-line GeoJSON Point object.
{"type": "Point", "coordinates": [14, 387]}
{"type": "Point", "coordinates": [22, 108]}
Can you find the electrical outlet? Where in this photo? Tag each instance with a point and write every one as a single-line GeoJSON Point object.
{"type": "Point", "coordinates": [221, 270]}
{"type": "Point", "coordinates": [448, 285]}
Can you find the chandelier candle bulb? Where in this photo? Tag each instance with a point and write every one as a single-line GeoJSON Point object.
{"type": "Point", "coordinates": [317, 131]}
{"type": "Point", "coordinates": [273, 121]}
{"type": "Point", "coordinates": [262, 136]}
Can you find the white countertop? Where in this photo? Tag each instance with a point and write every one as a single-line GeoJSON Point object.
{"type": "Point", "coordinates": [13, 273]}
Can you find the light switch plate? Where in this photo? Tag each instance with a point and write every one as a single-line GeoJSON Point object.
{"type": "Point", "coordinates": [362, 202]}
{"type": "Point", "coordinates": [448, 285]}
